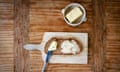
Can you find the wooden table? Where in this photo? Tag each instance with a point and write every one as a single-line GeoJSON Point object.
{"type": "Point", "coordinates": [25, 21]}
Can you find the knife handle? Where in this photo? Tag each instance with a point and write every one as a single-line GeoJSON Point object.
{"type": "Point", "coordinates": [47, 60]}
{"type": "Point", "coordinates": [48, 56]}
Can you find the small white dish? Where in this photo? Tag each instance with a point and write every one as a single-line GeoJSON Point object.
{"type": "Point", "coordinates": [83, 18]}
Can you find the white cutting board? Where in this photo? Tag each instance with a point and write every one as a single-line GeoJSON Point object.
{"type": "Point", "coordinates": [81, 58]}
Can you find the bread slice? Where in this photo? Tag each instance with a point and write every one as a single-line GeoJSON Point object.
{"type": "Point", "coordinates": [59, 43]}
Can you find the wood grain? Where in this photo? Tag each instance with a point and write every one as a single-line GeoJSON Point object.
{"type": "Point", "coordinates": [99, 36]}
{"type": "Point", "coordinates": [103, 27]}
{"type": "Point", "coordinates": [6, 51]}
{"type": "Point", "coordinates": [21, 24]}
{"type": "Point", "coordinates": [46, 16]}
{"type": "Point", "coordinates": [6, 36]}
{"type": "Point", "coordinates": [112, 20]}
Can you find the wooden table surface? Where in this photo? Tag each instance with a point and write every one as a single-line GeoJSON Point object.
{"type": "Point", "coordinates": [25, 21]}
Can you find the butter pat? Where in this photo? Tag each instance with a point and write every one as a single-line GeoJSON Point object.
{"type": "Point", "coordinates": [74, 14]}
{"type": "Point", "coordinates": [53, 46]}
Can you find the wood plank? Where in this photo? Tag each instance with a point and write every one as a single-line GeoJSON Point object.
{"type": "Point", "coordinates": [99, 36]}
{"type": "Point", "coordinates": [6, 16]}
{"type": "Point", "coordinates": [6, 51]}
{"type": "Point", "coordinates": [21, 24]}
{"type": "Point", "coordinates": [6, 36]}
{"type": "Point", "coordinates": [51, 12]}
{"type": "Point", "coordinates": [112, 20]}
{"type": "Point", "coordinates": [46, 16]}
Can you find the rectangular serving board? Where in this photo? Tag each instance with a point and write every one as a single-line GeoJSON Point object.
{"type": "Point", "coordinates": [81, 58]}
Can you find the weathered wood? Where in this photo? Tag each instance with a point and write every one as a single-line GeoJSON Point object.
{"type": "Point", "coordinates": [46, 16]}
{"type": "Point", "coordinates": [112, 21]}
{"type": "Point", "coordinates": [6, 51]}
{"type": "Point", "coordinates": [103, 27]}
{"type": "Point", "coordinates": [99, 36]}
{"type": "Point", "coordinates": [6, 36]}
{"type": "Point", "coordinates": [21, 24]}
